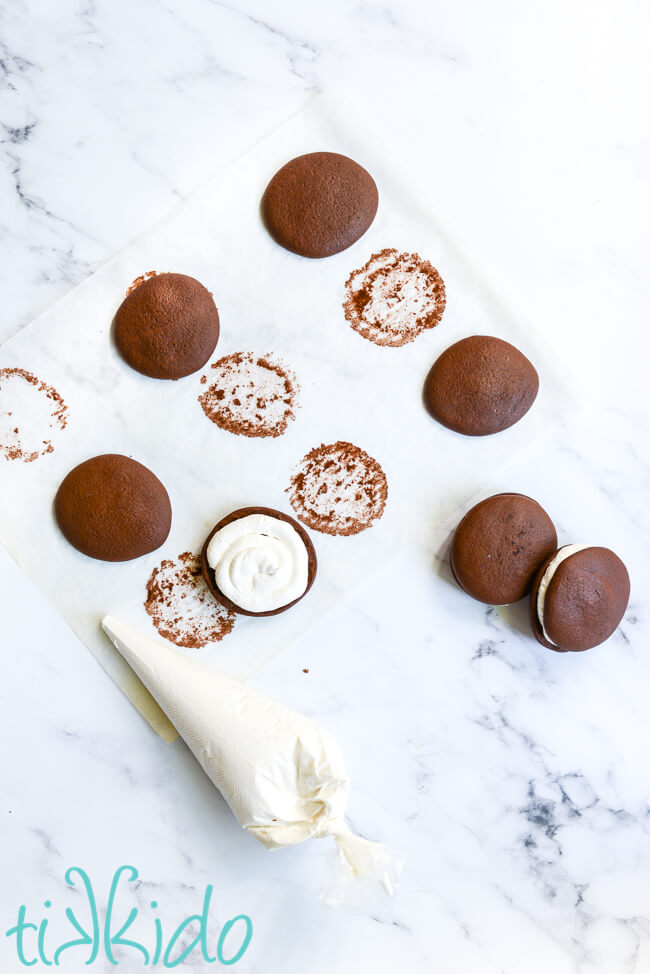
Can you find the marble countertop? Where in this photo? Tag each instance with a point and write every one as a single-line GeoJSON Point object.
{"type": "Point", "coordinates": [515, 780]}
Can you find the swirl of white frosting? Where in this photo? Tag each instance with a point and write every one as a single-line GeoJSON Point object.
{"type": "Point", "coordinates": [260, 562]}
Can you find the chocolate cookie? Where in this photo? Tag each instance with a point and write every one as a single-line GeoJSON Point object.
{"type": "Point", "coordinates": [480, 385]}
{"type": "Point", "coordinates": [579, 597]}
{"type": "Point", "coordinates": [247, 562]}
{"type": "Point", "coordinates": [113, 508]}
{"type": "Point", "coordinates": [319, 204]}
{"type": "Point", "coordinates": [498, 547]}
{"type": "Point", "coordinates": [167, 327]}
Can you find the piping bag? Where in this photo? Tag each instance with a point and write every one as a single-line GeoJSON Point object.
{"type": "Point", "coordinates": [281, 774]}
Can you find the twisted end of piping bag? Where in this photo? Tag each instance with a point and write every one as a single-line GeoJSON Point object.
{"type": "Point", "coordinates": [361, 870]}
{"type": "Point", "coordinates": [282, 775]}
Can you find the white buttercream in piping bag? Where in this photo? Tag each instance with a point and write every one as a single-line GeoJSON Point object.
{"type": "Point", "coordinates": [281, 774]}
{"type": "Point", "coordinates": [260, 562]}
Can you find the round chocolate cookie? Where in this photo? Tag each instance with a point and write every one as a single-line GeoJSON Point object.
{"type": "Point", "coordinates": [167, 327]}
{"type": "Point", "coordinates": [498, 547]}
{"type": "Point", "coordinates": [579, 597]}
{"type": "Point", "coordinates": [319, 204]}
{"type": "Point", "coordinates": [113, 508]}
{"type": "Point", "coordinates": [480, 385]}
{"type": "Point", "coordinates": [245, 559]}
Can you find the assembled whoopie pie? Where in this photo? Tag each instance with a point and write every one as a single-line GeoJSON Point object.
{"type": "Point", "coordinates": [167, 327]}
{"type": "Point", "coordinates": [258, 561]}
{"type": "Point", "coordinates": [578, 598]}
{"type": "Point", "coordinates": [319, 204]}
{"type": "Point", "coordinates": [498, 547]}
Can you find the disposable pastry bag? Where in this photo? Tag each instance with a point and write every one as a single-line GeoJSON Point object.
{"type": "Point", "coordinates": [282, 775]}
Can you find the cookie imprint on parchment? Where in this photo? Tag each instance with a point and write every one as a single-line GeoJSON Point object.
{"type": "Point", "coordinates": [338, 489]}
{"type": "Point", "coordinates": [250, 395]}
{"type": "Point", "coordinates": [29, 410]}
{"type": "Point", "coordinates": [394, 297]}
{"type": "Point", "coordinates": [181, 606]}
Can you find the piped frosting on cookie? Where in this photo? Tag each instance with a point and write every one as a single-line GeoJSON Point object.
{"type": "Point", "coordinates": [259, 562]}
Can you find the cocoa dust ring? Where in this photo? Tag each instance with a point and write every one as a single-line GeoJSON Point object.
{"type": "Point", "coordinates": [181, 606]}
{"type": "Point", "coordinates": [394, 297]}
{"type": "Point", "coordinates": [31, 412]}
{"type": "Point", "coordinates": [338, 489]}
{"type": "Point", "coordinates": [250, 395]}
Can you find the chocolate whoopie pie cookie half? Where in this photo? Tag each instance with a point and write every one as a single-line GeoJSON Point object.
{"type": "Point", "coordinates": [167, 327]}
{"type": "Point", "coordinates": [498, 547]}
{"type": "Point", "coordinates": [578, 598]}
{"type": "Point", "coordinates": [113, 508]}
{"type": "Point", "coordinates": [244, 512]}
{"type": "Point", "coordinates": [319, 204]}
{"type": "Point", "coordinates": [480, 385]}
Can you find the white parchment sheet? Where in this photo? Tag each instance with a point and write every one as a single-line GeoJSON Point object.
{"type": "Point", "coordinates": [269, 301]}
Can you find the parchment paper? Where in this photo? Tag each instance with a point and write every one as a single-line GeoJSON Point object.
{"type": "Point", "coordinates": [269, 301]}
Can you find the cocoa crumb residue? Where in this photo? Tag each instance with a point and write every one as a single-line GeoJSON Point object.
{"type": "Point", "coordinates": [394, 297]}
{"type": "Point", "coordinates": [181, 606]}
{"type": "Point", "coordinates": [250, 395]}
{"type": "Point", "coordinates": [29, 410]}
{"type": "Point", "coordinates": [338, 489]}
{"type": "Point", "coordinates": [140, 280]}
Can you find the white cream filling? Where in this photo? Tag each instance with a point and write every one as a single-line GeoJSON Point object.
{"type": "Point", "coordinates": [260, 562]}
{"type": "Point", "coordinates": [552, 567]}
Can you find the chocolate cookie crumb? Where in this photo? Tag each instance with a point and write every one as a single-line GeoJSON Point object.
{"type": "Point", "coordinates": [250, 395]}
{"type": "Point", "coordinates": [338, 489]}
{"type": "Point", "coordinates": [140, 280]}
{"type": "Point", "coordinates": [36, 408]}
{"type": "Point", "coordinates": [394, 297]}
{"type": "Point", "coordinates": [181, 606]}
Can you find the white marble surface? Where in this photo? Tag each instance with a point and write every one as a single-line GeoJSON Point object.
{"type": "Point", "coordinates": [515, 780]}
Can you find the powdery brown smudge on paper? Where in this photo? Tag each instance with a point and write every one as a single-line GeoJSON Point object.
{"type": "Point", "coordinates": [394, 297]}
{"type": "Point", "coordinates": [31, 411]}
{"type": "Point", "coordinates": [181, 606]}
{"type": "Point", "coordinates": [250, 395]}
{"type": "Point", "coordinates": [338, 489]}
